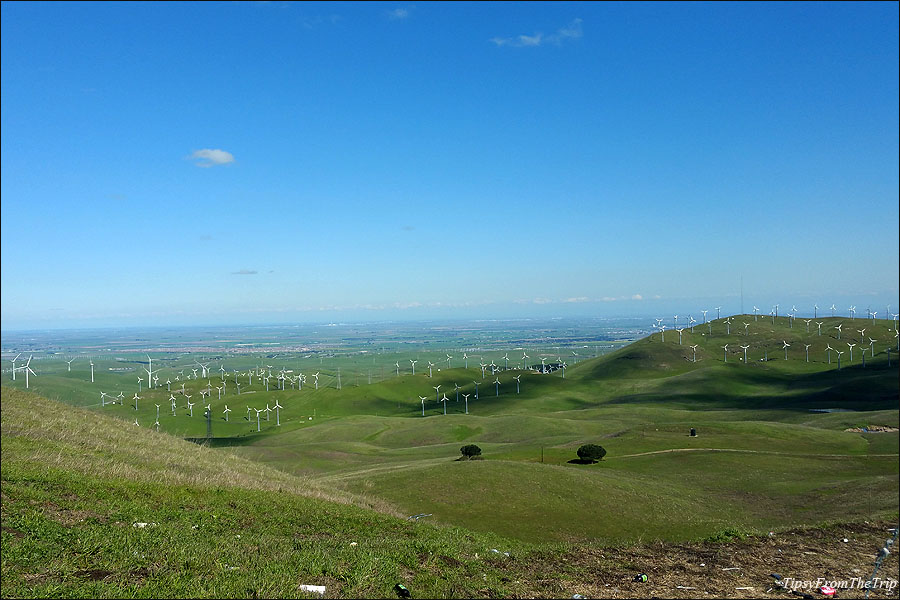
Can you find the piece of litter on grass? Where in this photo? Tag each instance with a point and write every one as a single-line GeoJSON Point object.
{"type": "Point", "coordinates": [731, 569]}
{"type": "Point", "coordinates": [744, 588]}
{"type": "Point", "coordinates": [142, 525]}
{"type": "Point", "coordinates": [702, 564]}
{"type": "Point", "coordinates": [845, 540]}
{"type": "Point", "coordinates": [318, 589]}
{"type": "Point", "coordinates": [353, 544]}
{"type": "Point", "coordinates": [684, 587]}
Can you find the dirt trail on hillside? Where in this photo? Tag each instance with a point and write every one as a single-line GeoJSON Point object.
{"type": "Point", "coordinates": [801, 454]}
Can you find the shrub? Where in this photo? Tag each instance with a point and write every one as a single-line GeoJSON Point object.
{"type": "Point", "coordinates": [591, 452]}
{"type": "Point", "coordinates": [470, 451]}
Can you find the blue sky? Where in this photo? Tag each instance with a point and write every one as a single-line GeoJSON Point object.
{"type": "Point", "coordinates": [227, 163]}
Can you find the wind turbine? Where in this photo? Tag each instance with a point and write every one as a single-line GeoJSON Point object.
{"type": "Point", "coordinates": [20, 354]}
{"type": "Point", "coordinates": [829, 349]}
{"type": "Point", "coordinates": [872, 346]}
{"type": "Point", "coordinates": [448, 360]}
{"type": "Point", "coordinates": [675, 322]}
{"type": "Point", "coordinates": [466, 397]}
{"type": "Point", "coordinates": [575, 356]}
{"type": "Point", "coordinates": [863, 349]}
{"type": "Point", "coordinates": [808, 321]}
{"type": "Point", "coordinates": [444, 400]}
{"type": "Point", "coordinates": [413, 363]}
{"type": "Point", "coordinates": [718, 314]}
{"type": "Point", "coordinates": [316, 375]}
{"type": "Point", "coordinates": [430, 364]}
{"type": "Point", "coordinates": [680, 331]}
{"type": "Point", "coordinates": [524, 358]}
{"type": "Point", "coordinates": [497, 382]}
{"type": "Point", "coordinates": [483, 366]}
{"type": "Point", "coordinates": [157, 415]}
{"type": "Point", "coordinates": [258, 410]}
{"type": "Point", "coordinates": [456, 387]}
{"type": "Point", "coordinates": [862, 333]}
{"type": "Point", "coordinates": [103, 396]}
{"type": "Point", "coordinates": [815, 311]}
{"type": "Point", "coordinates": [149, 370]}
{"type": "Point", "coordinates": [839, 352]}
{"type": "Point", "coordinates": [745, 352]}
{"type": "Point", "coordinates": [423, 399]}
{"type": "Point", "coordinates": [838, 327]}
{"type": "Point", "coordinates": [517, 378]}
{"type": "Point", "coordinates": [728, 325]}
{"type": "Point", "coordinates": [476, 389]}
{"type": "Point", "coordinates": [563, 366]}
{"type": "Point", "coordinates": [398, 368]}
{"type": "Point", "coordinates": [437, 393]}
{"type": "Point", "coordinates": [725, 348]}
{"type": "Point", "coordinates": [704, 314]}
{"type": "Point", "coordinates": [191, 406]}
{"type": "Point", "coordinates": [807, 351]}
{"type": "Point", "coordinates": [140, 380]}
{"type": "Point", "coordinates": [278, 407]}
{"type": "Point", "coordinates": [28, 370]}
{"type": "Point", "coordinates": [755, 314]}
{"type": "Point", "coordinates": [226, 411]}
{"type": "Point", "coordinates": [506, 358]}
{"type": "Point", "coordinates": [92, 370]}
{"type": "Point", "coordinates": [786, 346]}
{"type": "Point", "coordinates": [852, 313]}
{"type": "Point", "coordinates": [819, 325]}
{"type": "Point", "coordinates": [69, 362]}
{"type": "Point", "coordinates": [746, 325]}
{"type": "Point", "coordinates": [694, 350]}
{"type": "Point", "coordinates": [466, 358]}
{"type": "Point", "coordinates": [662, 335]}
{"type": "Point", "coordinates": [136, 398]}
{"type": "Point", "coordinates": [832, 310]}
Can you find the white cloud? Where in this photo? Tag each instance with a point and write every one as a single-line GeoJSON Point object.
{"type": "Point", "coordinates": [211, 158]}
{"type": "Point", "coordinates": [571, 31]}
{"type": "Point", "coordinates": [637, 297]}
{"type": "Point", "coordinates": [577, 299]}
{"type": "Point", "coordinates": [399, 13]}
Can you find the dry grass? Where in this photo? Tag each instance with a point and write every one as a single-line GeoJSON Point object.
{"type": "Point", "coordinates": [93, 444]}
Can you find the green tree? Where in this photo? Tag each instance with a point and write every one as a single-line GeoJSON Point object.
{"type": "Point", "coordinates": [591, 452]}
{"type": "Point", "coordinates": [470, 451]}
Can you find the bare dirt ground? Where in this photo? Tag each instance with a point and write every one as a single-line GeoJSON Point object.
{"type": "Point", "coordinates": [734, 569]}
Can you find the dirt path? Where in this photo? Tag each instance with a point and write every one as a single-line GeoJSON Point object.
{"type": "Point", "coordinates": [801, 454]}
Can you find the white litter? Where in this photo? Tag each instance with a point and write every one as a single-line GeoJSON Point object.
{"type": "Point", "coordinates": [318, 589]}
{"type": "Point", "coordinates": [142, 525]}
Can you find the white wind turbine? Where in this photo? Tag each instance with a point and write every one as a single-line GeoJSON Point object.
{"type": "Point", "coordinates": [92, 370]}
{"type": "Point", "coordinates": [448, 360]}
{"type": "Point", "coordinates": [466, 358]}
{"type": "Point", "coordinates": [136, 398]}
{"type": "Point", "coordinates": [862, 333]}
{"type": "Point", "coordinates": [704, 314]}
{"type": "Point", "coordinates": [149, 370]}
{"type": "Point", "coordinates": [497, 382]}
{"type": "Point", "coordinates": [815, 311]}
{"type": "Point", "coordinates": [728, 325]}
{"type": "Point", "coordinates": [517, 378]}
{"type": "Point", "coordinates": [829, 349]}
{"type": "Point", "coordinates": [191, 406]}
{"type": "Point", "coordinates": [437, 393]}
{"type": "Point", "coordinates": [819, 325]}
{"type": "Point", "coordinates": [222, 369]}
{"type": "Point", "coordinates": [69, 362]}
{"type": "Point", "coordinates": [745, 352]}
{"type": "Point", "coordinates": [574, 357]}
{"type": "Point", "coordinates": [563, 366]}
{"type": "Point", "coordinates": [786, 346]}
{"type": "Point", "coordinates": [466, 397]}
{"type": "Point", "coordinates": [398, 368]}
{"type": "Point", "coordinates": [476, 389]}
{"type": "Point", "coordinates": [14, 366]}
{"type": "Point", "coordinates": [423, 399]}
{"type": "Point", "coordinates": [430, 364]}
{"type": "Point", "coordinates": [725, 348]}
{"type": "Point", "coordinates": [694, 350]}
{"type": "Point", "coordinates": [680, 331]}
{"type": "Point", "coordinates": [157, 414]}
{"type": "Point", "coordinates": [444, 400]}
{"type": "Point", "coordinates": [316, 375]}
{"type": "Point", "coordinates": [807, 351]}
{"type": "Point", "coordinates": [662, 334]}
{"type": "Point", "coordinates": [226, 411]}
{"type": "Point", "coordinates": [675, 322]}
{"type": "Point", "coordinates": [838, 327]}
{"type": "Point", "coordinates": [506, 358]}
{"type": "Point", "coordinates": [852, 313]}
{"type": "Point", "coordinates": [258, 410]}
{"type": "Point", "coordinates": [755, 314]}
{"type": "Point", "coordinates": [746, 326]}
{"type": "Point", "coordinates": [839, 352]}
{"type": "Point", "coordinates": [28, 370]}
{"type": "Point", "coordinates": [832, 310]}
{"type": "Point", "coordinates": [808, 321]}
{"type": "Point", "coordinates": [103, 396]}
{"type": "Point", "coordinates": [718, 313]}
{"type": "Point", "coordinates": [872, 347]}
{"type": "Point", "coordinates": [691, 321]}
{"type": "Point", "coordinates": [140, 380]}
{"type": "Point", "coordinates": [278, 407]}
{"type": "Point", "coordinates": [172, 399]}
{"type": "Point", "coordinates": [483, 367]}
{"type": "Point", "coordinates": [524, 359]}
{"type": "Point", "coordinates": [413, 363]}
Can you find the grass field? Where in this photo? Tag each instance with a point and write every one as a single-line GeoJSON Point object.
{"type": "Point", "coordinates": [766, 456]}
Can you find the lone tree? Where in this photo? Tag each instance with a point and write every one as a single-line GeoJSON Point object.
{"type": "Point", "coordinates": [470, 451]}
{"type": "Point", "coordinates": [591, 453]}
